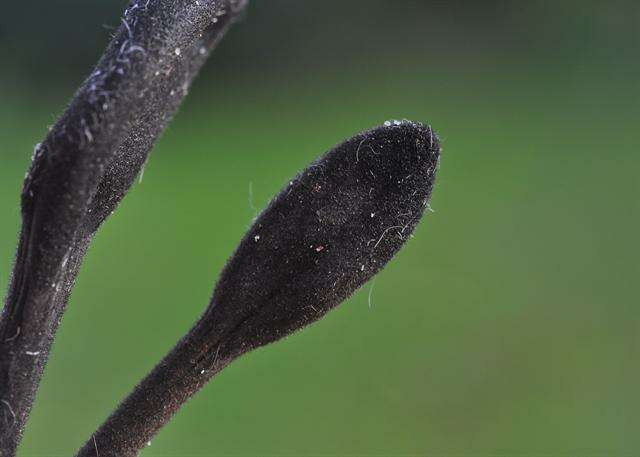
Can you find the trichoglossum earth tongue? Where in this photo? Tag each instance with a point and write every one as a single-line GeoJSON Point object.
{"type": "Point", "coordinates": [328, 231]}
{"type": "Point", "coordinates": [332, 228]}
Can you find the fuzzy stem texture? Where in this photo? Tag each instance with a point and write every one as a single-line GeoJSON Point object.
{"type": "Point", "coordinates": [84, 167]}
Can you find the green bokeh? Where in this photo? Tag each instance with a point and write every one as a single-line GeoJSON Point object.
{"type": "Point", "coordinates": [508, 326]}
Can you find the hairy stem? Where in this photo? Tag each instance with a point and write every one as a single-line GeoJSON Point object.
{"type": "Point", "coordinates": [153, 403]}
{"type": "Point", "coordinates": [82, 170]}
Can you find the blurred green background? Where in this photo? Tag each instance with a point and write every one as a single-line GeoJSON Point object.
{"type": "Point", "coordinates": [509, 326]}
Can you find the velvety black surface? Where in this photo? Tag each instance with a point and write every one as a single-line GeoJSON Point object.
{"type": "Point", "coordinates": [329, 231]}
{"type": "Point", "coordinates": [82, 170]}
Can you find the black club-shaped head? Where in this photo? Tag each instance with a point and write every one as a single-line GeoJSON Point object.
{"type": "Point", "coordinates": [330, 229]}
{"type": "Point", "coordinates": [328, 232]}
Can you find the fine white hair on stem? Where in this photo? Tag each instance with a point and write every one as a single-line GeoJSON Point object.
{"type": "Point", "coordinates": [252, 207]}
{"type": "Point", "coordinates": [8, 405]}
{"type": "Point", "coordinates": [373, 283]}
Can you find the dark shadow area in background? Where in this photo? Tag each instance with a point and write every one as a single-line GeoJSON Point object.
{"type": "Point", "coordinates": [58, 41]}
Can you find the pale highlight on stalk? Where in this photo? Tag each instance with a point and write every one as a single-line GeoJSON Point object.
{"type": "Point", "coordinates": [82, 170]}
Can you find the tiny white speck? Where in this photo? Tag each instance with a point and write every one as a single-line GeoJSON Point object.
{"type": "Point", "coordinates": [373, 214]}
{"type": "Point", "coordinates": [148, 443]}
{"type": "Point", "coordinates": [202, 372]}
{"type": "Point", "coordinates": [397, 123]}
{"type": "Point", "coordinates": [32, 353]}
{"type": "Point", "coordinates": [203, 51]}
{"type": "Point", "coordinates": [256, 238]}
{"type": "Point", "coordinates": [362, 268]}
{"type": "Point", "coordinates": [387, 124]}
{"type": "Point", "coordinates": [177, 51]}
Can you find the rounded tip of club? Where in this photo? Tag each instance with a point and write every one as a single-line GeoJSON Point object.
{"type": "Point", "coordinates": [405, 145]}
{"type": "Point", "coordinates": [395, 164]}
{"type": "Point", "coordinates": [332, 228]}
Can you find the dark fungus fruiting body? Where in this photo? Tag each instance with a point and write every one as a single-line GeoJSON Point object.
{"type": "Point", "coordinates": [329, 230]}
{"type": "Point", "coordinates": [82, 170]}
